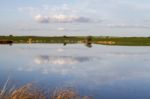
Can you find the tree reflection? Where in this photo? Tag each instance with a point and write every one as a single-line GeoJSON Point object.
{"type": "Point", "coordinates": [89, 45]}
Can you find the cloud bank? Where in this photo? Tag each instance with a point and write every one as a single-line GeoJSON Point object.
{"type": "Point", "coordinates": [124, 15]}
{"type": "Point", "coordinates": [56, 14]}
{"type": "Point", "coordinates": [60, 19]}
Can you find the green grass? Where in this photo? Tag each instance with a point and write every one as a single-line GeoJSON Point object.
{"type": "Point", "coordinates": [104, 40]}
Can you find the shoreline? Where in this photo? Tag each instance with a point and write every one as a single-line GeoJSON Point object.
{"type": "Point", "coordinates": [103, 40]}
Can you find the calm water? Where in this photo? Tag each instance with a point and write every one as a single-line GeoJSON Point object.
{"type": "Point", "coordinates": [105, 72]}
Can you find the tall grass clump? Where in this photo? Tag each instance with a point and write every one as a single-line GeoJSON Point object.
{"type": "Point", "coordinates": [32, 91]}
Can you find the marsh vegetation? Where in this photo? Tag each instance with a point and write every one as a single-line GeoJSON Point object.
{"type": "Point", "coordinates": [32, 91]}
{"type": "Point", "coordinates": [104, 40]}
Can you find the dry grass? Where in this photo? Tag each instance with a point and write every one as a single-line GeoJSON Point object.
{"type": "Point", "coordinates": [67, 93]}
{"type": "Point", "coordinates": [30, 91]}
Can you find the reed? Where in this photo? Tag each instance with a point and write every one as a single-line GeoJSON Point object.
{"type": "Point", "coordinates": [32, 91]}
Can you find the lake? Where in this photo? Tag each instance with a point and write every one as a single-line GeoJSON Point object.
{"type": "Point", "coordinates": [103, 72]}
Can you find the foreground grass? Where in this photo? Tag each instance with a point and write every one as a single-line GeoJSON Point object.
{"type": "Point", "coordinates": [104, 40]}
{"type": "Point", "coordinates": [31, 91]}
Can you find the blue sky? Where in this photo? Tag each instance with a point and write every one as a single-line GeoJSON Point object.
{"type": "Point", "coordinates": [75, 17]}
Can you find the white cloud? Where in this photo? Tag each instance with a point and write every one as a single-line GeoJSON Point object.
{"type": "Point", "coordinates": [60, 19]}
{"type": "Point", "coordinates": [61, 29]}
{"type": "Point", "coordinates": [57, 14]}
{"type": "Point", "coordinates": [42, 19]}
{"type": "Point", "coordinates": [109, 11]}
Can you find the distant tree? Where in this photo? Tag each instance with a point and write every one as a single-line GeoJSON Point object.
{"type": "Point", "coordinates": [64, 36]}
{"type": "Point", "coordinates": [88, 41]}
{"type": "Point", "coordinates": [10, 35]}
{"type": "Point", "coordinates": [89, 38]}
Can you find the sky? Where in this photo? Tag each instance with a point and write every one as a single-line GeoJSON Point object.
{"type": "Point", "coordinates": [75, 17]}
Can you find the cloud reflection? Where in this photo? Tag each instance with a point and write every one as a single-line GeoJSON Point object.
{"type": "Point", "coordinates": [97, 70]}
{"type": "Point", "coordinates": [60, 60]}
{"type": "Point", "coordinates": [58, 64]}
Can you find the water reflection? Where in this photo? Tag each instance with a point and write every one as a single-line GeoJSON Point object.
{"type": "Point", "coordinates": [58, 64]}
{"type": "Point", "coordinates": [100, 70]}
{"type": "Point", "coordinates": [87, 43]}
{"type": "Point", "coordinates": [60, 60]}
{"type": "Point", "coordinates": [105, 71]}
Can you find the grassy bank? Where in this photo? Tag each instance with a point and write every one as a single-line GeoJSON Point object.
{"type": "Point", "coordinates": [105, 40]}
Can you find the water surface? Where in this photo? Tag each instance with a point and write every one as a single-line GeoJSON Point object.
{"type": "Point", "coordinates": [104, 72]}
